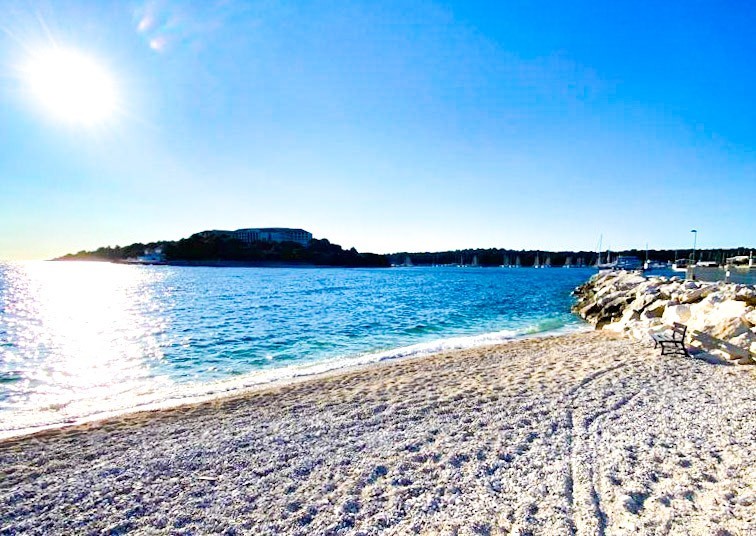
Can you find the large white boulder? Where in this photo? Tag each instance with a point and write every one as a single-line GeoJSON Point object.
{"type": "Point", "coordinates": [648, 287]}
{"type": "Point", "coordinates": [727, 292]}
{"type": "Point", "coordinates": [717, 297]}
{"type": "Point", "coordinates": [676, 313]}
{"type": "Point", "coordinates": [669, 289]}
{"type": "Point", "coordinates": [655, 309]}
{"type": "Point", "coordinates": [728, 309]}
{"type": "Point", "coordinates": [641, 302]}
{"type": "Point", "coordinates": [750, 316]}
{"type": "Point", "coordinates": [696, 294]}
{"type": "Point", "coordinates": [629, 315]}
{"type": "Point", "coordinates": [615, 327]}
{"type": "Point", "coordinates": [713, 311]}
{"type": "Point", "coordinates": [614, 297]}
{"type": "Point", "coordinates": [641, 330]}
{"type": "Point", "coordinates": [744, 340]}
{"type": "Point", "coordinates": [629, 281]}
{"type": "Point", "coordinates": [746, 294]}
{"type": "Point", "coordinates": [699, 315]}
{"type": "Point", "coordinates": [729, 329]}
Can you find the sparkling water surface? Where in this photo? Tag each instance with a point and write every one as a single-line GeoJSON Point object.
{"type": "Point", "coordinates": [84, 339]}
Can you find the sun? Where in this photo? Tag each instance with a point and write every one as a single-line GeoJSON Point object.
{"type": "Point", "coordinates": [71, 86]}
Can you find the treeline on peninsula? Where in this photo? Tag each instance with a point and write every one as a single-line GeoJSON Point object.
{"type": "Point", "coordinates": [498, 257]}
{"type": "Point", "coordinates": [199, 249]}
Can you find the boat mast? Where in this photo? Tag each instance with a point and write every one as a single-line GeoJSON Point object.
{"type": "Point", "coordinates": [601, 239]}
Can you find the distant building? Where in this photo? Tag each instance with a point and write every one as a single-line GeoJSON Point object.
{"type": "Point", "coordinates": [266, 234]}
{"type": "Point", "coordinates": [152, 256]}
{"type": "Point", "coordinates": [741, 260]}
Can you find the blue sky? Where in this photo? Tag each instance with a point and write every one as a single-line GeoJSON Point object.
{"type": "Point", "coordinates": [387, 126]}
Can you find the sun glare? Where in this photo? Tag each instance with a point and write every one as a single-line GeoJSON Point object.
{"type": "Point", "coordinates": [71, 86]}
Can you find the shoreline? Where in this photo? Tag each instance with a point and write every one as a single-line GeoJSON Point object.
{"type": "Point", "coordinates": [259, 381]}
{"type": "Point", "coordinates": [210, 263]}
{"type": "Point", "coordinates": [583, 433]}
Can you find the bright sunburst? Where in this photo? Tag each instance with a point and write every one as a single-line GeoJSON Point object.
{"type": "Point", "coordinates": [72, 86]}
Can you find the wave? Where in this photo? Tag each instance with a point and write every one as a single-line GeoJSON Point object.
{"type": "Point", "coordinates": [166, 394]}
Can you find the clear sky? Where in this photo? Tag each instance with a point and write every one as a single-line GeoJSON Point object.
{"type": "Point", "coordinates": [385, 126]}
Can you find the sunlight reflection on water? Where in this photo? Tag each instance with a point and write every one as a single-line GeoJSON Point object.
{"type": "Point", "coordinates": [78, 334]}
{"type": "Point", "coordinates": [79, 339]}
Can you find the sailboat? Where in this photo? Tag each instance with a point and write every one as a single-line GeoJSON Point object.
{"type": "Point", "coordinates": [608, 265]}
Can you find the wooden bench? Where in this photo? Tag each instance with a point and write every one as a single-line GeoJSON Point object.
{"type": "Point", "coordinates": [672, 343]}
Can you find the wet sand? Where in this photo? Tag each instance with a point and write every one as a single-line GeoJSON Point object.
{"type": "Point", "coordinates": [579, 434]}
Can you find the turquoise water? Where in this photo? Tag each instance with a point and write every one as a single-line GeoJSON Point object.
{"type": "Point", "coordinates": [84, 339]}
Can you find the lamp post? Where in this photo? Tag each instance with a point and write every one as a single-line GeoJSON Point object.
{"type": "Point", "coordinates": [690, 273]}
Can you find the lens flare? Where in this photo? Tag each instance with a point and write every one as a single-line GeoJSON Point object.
{"type": "Point", "coordinates": [71, 86]}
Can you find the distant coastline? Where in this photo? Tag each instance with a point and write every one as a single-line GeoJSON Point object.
{"type": "Point", "coordinates": [218, 263]}
{"type": "Point", "coordinates": [284, 247]}
{"type": "Point", "coordinates": [268, 247]}
{"type": "Point", "coordinates": [543, 258]}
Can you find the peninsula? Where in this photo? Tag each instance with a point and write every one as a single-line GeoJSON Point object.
{"type": "Point", "coordinates": [270, 246]}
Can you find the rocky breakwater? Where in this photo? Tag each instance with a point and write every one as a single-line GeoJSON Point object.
{"type": "Point", "coordinates": [721, 317]}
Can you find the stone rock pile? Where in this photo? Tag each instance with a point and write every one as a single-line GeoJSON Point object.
{"type": "Point", "coordinates": [721, 317]}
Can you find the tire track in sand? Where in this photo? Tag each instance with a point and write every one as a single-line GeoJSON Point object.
{"type": "Point", "coordinates": [581, 488]}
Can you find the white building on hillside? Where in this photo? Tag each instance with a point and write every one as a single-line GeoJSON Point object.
{"type": "Point", "coordinates": [274, 234]}
{"type": "Point", "coordinates": [266, 234]}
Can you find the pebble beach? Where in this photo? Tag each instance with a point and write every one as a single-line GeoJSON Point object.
{"type": "Point", "coordinates": [588, 433]}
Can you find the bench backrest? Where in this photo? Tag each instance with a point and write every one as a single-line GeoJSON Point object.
{"type": "Point", "coordinates": [678, 330]}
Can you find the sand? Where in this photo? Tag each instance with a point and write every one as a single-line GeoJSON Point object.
{"type": "Point", "coordinates": [579, 434]}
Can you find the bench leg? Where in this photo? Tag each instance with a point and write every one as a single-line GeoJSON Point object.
{"type": "Point", "coordinates": [673, 348]}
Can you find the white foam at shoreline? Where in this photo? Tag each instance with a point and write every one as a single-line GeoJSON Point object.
{"type": "Point", "coordinates": [84, 411]}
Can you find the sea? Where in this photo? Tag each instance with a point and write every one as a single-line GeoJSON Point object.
{"type": "Point", "coordinates": [86, 340]}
